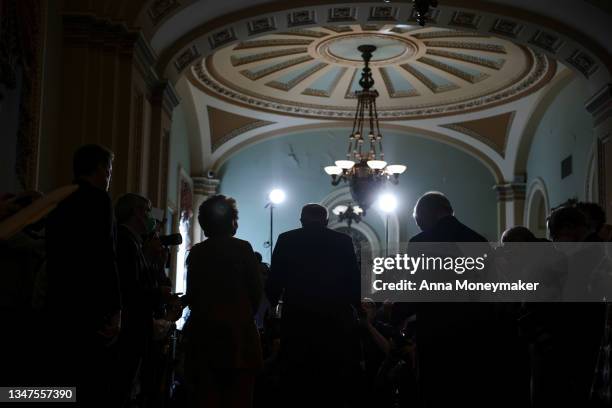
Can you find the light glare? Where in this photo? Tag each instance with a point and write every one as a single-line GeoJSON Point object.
{"type": "Point", "coordinates": [277, 196]}
{"type": "Point", "coordinates": [387, 202]}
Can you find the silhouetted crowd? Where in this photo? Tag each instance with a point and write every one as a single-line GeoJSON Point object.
{"type": "Point", "coordinates": [87, 303]}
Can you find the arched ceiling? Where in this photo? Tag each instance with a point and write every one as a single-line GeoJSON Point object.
{"type": "Point", "coordinates": [419, 72]}
{"type": "Point", "coordinates": [165, 21]}
{"type": "Point", "coordinates": [473, 76]}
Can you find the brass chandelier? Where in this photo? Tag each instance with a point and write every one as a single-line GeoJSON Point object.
{"type": "Point", "coordinates": [365, 168]}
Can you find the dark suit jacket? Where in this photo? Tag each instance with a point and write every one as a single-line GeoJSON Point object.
{"type": "Point", "coordinates": [138, 291]}
{"type": "Point", "coordinates": [449, 229]}
{"type": "Point", "coordinates": [317, 269]}
{"type": "Point", "coordinates": [82, 273]}
{"type": "Point", "coordinates": [455, 340]}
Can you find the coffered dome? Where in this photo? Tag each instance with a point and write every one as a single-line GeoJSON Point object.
{"type": "Point", "coordinates": [419, 72]}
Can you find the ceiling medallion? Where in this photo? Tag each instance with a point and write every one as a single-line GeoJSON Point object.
{"type": "Point", "coordinates": [364, 168]}
{"type": "Point", "coordinates": [390, 48]}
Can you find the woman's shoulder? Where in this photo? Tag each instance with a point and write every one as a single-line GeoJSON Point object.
{"type": "Point", "coordinates": [215, 243]}
{"type": "Point", "coordinates": [240, 245]}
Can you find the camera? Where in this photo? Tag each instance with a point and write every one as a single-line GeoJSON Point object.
{"type": "Point", "coordinates": [171, 240]}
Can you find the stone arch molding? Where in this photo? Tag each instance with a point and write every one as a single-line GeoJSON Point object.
{"type": "Point", "coordinates": [343, 196]}
{"type": "Point", "coordinates": [492, 164]}
{"type": "Point", "coordinates": [590, 185]}
{"type": "Point", "coordinates": [563, 43]}
{"type": "Point", "coordinates": [537, 186]}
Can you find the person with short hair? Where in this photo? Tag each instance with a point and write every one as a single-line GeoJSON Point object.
{"type": "Point", "coordinates": [595, 215]}
{"type": "Point", "coordinates": [568, 224]}
{"type": "Point", "coordinates": [518, 234]}
{"type": "Point", "coordinates": [138, 290]}
{"type": "Point", "coordinates": [573, 373]}
{"type": "Point", "coordinates": [315, 270]}
{"type": "Point", "coordinates": [455, 350]}
{"type": "Point", "coordinates": [82, 280]}
{"type": "Point", "coordinates": [223, 351]}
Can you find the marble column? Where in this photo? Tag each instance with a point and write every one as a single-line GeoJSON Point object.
{"type": "Point", "coordinates": [510, 204]}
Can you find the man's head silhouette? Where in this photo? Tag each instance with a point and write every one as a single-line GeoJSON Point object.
{"type": "Point", "coordinates": [313, 215]}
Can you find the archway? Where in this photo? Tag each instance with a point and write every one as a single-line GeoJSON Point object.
{"type": "Point", "coordinates": [537, 209]}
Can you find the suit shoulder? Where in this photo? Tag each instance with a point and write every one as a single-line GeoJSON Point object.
{"type": "Point", "coordinates": [420, 237]}
{"type": "Point", "coordinates": [289, 234]}
{"type": "Point", "coordinates": [338, 235]}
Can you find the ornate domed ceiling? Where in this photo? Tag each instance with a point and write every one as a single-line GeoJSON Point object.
{"type": "Point", "coordinates": [419, 72]}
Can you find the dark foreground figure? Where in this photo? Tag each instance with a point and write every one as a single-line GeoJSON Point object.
{"type": "Point", "coordinates": [315, 271]}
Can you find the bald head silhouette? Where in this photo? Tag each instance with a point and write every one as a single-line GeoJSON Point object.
{"type": "Point", "coordinates": [430, 208]}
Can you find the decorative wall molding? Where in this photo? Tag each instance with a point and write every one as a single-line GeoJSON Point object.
{"type": "Point", "coordinates": [536, 185]}
{"type": "Point", "coordinates": [393, 93]}
{"type": "Point", "coordinates": [466, 76]}
{"type": "Point", "coordinates": [286, 86]}
{"type": "Point", "coordinates": [494, 130]}
{"type": "Point", "coordinates": [502, 21]}
{"type": "Point", "coordinates": [494, 64]}
{"type": "Point", "coordinates": [342, 14]}
{"type": "Point", "coordinates": [271, 43]}
{"type": "Point", "coordinates": [261, 25]}
{"type": "Point", "coordinates": [465, 19]}
{"type": "Point", "coordinates": [274, 68]}
{"type": "Point", "coordinates": [583, 62]}
{"type": "Point", "coordinates": [534, 78]}
{"type": "Point", "coordinates": [433, 87]}
{"type": "Point", "coordinates": [206, 186]}
{"type": "Point", "coordinates": [546, 41]}
{"type": "Point", "coordinates": [447, 33]}
{"type": "Point", "coordinates": [305, 33]}
{"type": "Point", "coordinates": [326, 93]}
{"type": "Point", "coordinates": [160, 9]}
{"type": "Point", "coordinates": [222, 37]}
{"type": "Point", "coordinates": [302, 17]}
{"type": "Point", "coordinates": [187, 57]}
{"type": "Point", "coordinates": [510, 192]}
{"type": "Point", "coordinates": [466, 46]}
{"type": "Point", "coordinates": [247, 59]}
{"type": "Point", "coordinates": [507, 28]}
{"type": "Point", "coordinates": [600, 105]}
{"type": "Point", "coordinates": [383, 13]}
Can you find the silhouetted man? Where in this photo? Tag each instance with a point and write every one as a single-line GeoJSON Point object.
{"type": "Point", "coordinates": [578, 326]}
{"type": "Point", "coordinates": [315, 270]}
{"type": "Point", "coordinates": [83, 292]}
{"type": "Point", "coordinates": [453, 339]}
{"type": "Point", "coordinates": [138, 289]}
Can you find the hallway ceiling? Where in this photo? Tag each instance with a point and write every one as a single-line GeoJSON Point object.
{"type": "Point", "coordinates": [419, 72]}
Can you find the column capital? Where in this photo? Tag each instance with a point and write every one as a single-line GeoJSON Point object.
{"type": "Point", "coordinates": [600, 105]}
{"type": "Point", "coordinates": [164, 93]}
{"type": "Point", "coordinates": [205, 186]}
{"type": "Point", "coordinates": [510, 191]}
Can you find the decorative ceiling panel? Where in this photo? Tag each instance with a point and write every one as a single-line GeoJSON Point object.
{"type": "Point", "coordinates": [419, 72]}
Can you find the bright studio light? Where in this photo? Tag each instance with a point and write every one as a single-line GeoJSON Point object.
{"type": "Point", "coordinates": [277, 196]}
{"type": "Point", "coordinates": [387, 203]}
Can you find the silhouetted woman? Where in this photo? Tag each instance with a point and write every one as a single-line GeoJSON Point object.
{"type": "Point", "coordinates": [222, 351]}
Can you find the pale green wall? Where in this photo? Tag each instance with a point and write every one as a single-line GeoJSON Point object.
{"type": "Point", "coordinates": [566, 128]}
{"type": "Point", "coordinates": [179, 152]}
{"type": "Point", "coordinates": [249, 175]}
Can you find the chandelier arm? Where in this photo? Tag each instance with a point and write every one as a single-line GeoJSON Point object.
{"type": "Point", "coordinates": [372, 128]}
{"type": "Point", "coordinates": [361, 115]}
{"type": "Point", "coordinates": [356, 119]}
{"type": "Point", "coordinates": [379, 135]}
